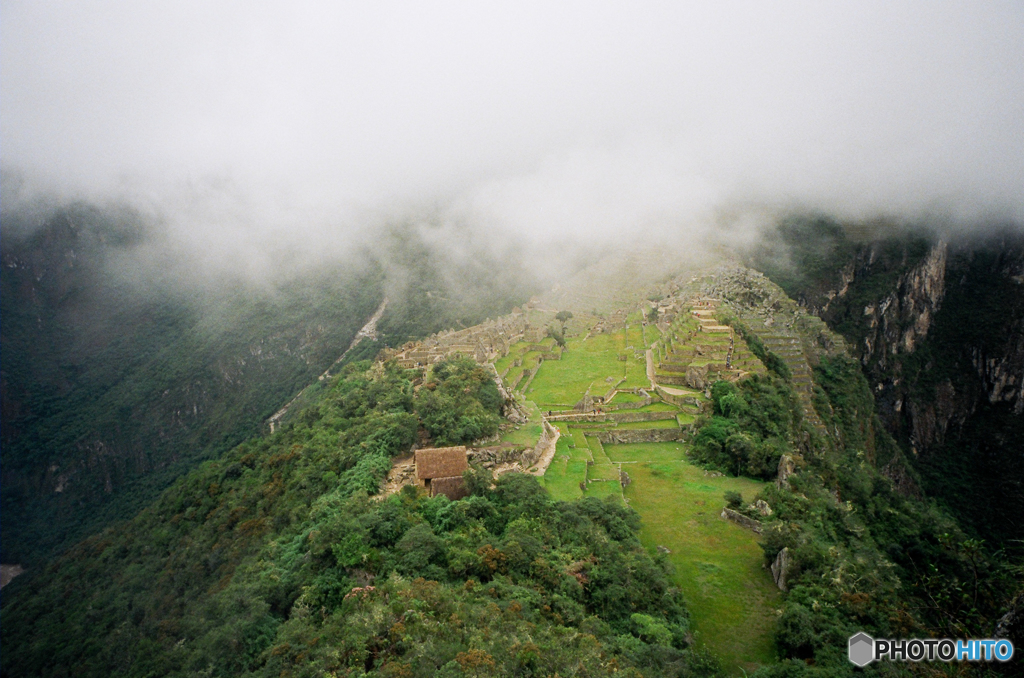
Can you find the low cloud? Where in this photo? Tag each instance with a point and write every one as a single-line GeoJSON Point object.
{"type": "Point", "coordinates": [262, 133]}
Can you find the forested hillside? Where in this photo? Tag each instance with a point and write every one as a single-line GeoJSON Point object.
{"type": "Point", "coordinates": [273, 561]}
{"type": "Point", "coordinates": [122, 369]}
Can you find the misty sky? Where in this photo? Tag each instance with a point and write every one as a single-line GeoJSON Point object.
{"type": "Point", "coordinates": [555, 120]}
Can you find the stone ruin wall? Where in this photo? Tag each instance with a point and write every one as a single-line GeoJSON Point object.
{"type": "Point", "coordinates": [532, 456]}
{"type": "Point", "coordinates": [640, 435]}
{"type": "Point", "coordinates": [617, 417]}
{"type": "Point", "coordinates": [484, 343]}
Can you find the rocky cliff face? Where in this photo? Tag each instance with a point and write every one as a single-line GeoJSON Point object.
{"type": "Point", "coordinates": [902, 319]}
{"type": "Point", "coordinates": [977, 350]}
{"type": "Point", "coordinates": [938, 325]}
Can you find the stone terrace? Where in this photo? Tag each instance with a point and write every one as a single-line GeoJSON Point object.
{"type": "Point", "coordinates": [699, 350]}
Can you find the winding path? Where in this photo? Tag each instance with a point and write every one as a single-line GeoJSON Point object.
{"type": "Point", "coordinates": [369, 330]}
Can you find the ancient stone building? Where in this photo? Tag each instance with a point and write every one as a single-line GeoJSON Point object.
{"type": "Point", "coordinates": [483, 343]}
{"type": "Point", "coordinates": [439, 470]}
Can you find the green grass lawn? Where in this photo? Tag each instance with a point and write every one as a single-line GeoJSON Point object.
{"type": "Point", "coordinates": [585, 363]}
{"type": "Point", "coordinates": [701, 362]}
{"type": "Point", "coordinates": [623, 397]}
{"type": "Point", "coordinates": [652, 334]}
{"type": "Point", "coordinates": [568, 468]}
{"type": "Point", "coordinates": [731, 599]}
{"type": "Point", "coordinates": [659, 407]}
{"type": "Point", "coordinates": [563, 478]}
{"type": "Point", "coordinates": [605, 489]}
{"type": "Point", "coordinates": [636, 372]}
{"type": "Point", "coordinates": [637, 452]}
{"type": "Point", "coordinates": [717, 563]}
{"type": "Point", "coordinates": [603, 472]}
{"type": "Point", "coordinates": [514, 351]}
{"type": "Point", "coordinates": [530, 360]}
{"type": "Point", "coordinates": [568, 435]}
{"type": "Point", "coordinates": [581, 454]}
{"type": "Point", "coordinates": [597, 450]}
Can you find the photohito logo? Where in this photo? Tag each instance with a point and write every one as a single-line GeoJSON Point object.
{"type": "Point", "coordinates": [864, 649]}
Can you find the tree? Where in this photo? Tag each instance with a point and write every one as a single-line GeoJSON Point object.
{"type": "Point", "coordinates": [557, 335]}
{"type": "Point", "coordinates": [740, 448]}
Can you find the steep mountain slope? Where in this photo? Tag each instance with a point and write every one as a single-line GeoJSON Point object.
{"type": "Point", "coordinates": [938, 326]}
{"type": "Point", "coordinates": [110, 391]}
{"type": "Point", "coordinates": [118, 375]}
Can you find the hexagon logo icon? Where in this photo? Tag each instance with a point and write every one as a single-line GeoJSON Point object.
{"type": "Point", "coordinates": [862, 649]}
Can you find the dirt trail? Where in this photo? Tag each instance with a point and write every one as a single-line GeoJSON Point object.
{"type": "Point", "coordinates": [369, 330]}
{"type": "Point", "coordinates": [542, 464]}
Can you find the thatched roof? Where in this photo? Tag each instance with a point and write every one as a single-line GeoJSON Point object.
{"type": "Point", "coordinates": [441, 462]}
{"type": "Point", "coordinates": [453, 488]}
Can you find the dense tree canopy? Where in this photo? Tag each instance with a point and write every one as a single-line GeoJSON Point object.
{"type": "Point", "coordinates": [275, 560]}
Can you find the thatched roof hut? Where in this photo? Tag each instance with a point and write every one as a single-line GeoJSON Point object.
{"type": "Point", "coordinates": [441, 462]}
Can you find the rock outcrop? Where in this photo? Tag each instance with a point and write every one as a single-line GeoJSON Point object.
{"type": "Point", "coordinates": [742, 520]}
{"type": "Point", "coordinates": [781, 569]}
{"type": "Point", "coordinates": [787, 467]}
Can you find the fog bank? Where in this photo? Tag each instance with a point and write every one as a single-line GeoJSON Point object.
{"type": "Point", "coordinates": [253, 128]}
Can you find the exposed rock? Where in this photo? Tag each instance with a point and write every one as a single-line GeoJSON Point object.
{"type": "Point", "coordinates": [585, 404]}
{"type": "Point", "coordinates": [543, 452]}
{"type": "Point", "coordinates": [1011, 624]}
{"type": "Point", "coordinates": [781, 567]}
{"type": "Point", "coordinates": [697, 377]}
{"type": "Point", "coordinates": [787, 467]}
{"type": "Point", "coordinates": [896, 471]}
{"type": "Point", "coordinates": [742, 520]}
{"type": "Point", "coordinates": [9, 572]}
{"type": "Point", "coordinates": [762, 507]}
